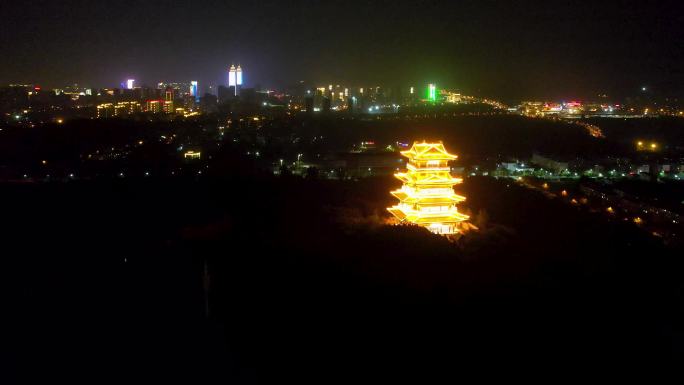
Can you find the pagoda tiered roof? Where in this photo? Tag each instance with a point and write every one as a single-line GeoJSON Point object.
{"type": "Point", "coordinates": [428, 151]}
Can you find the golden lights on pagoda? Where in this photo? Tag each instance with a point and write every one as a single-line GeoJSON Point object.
{"type": "Point", "coordinates": [427, 197]}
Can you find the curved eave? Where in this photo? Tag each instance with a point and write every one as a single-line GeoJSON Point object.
{"type": "Point", "coordinates": [403, 177]}
{"type": "Point", "coordinates": [400, 194]}
{"type": "Point", "coordinates": [423, 182]}
{"type": "Point", "coordinates": [428, 201]}
{"type": "Point", "coordinates": [397, 212]}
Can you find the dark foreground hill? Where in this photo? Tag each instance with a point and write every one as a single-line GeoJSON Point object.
{"type": "Point", "coordinates": [287, 280]}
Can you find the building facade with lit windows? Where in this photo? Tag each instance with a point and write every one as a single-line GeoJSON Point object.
{"type": "Point", "coordinates": [154, 106]}
{"type": "Point", "coordinates": [108, 110]}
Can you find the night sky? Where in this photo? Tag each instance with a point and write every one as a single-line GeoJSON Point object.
{"type": "Point", "coordinates": [519, 50]}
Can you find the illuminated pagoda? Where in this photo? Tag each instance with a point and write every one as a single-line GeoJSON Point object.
{"type": "Point", "coordinates": [427, 197]}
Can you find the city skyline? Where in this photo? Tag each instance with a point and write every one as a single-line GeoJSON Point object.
{"type": "Point", "coordinates": [224, 80]}
{"type": "Point", "coordinates": [541, 49]}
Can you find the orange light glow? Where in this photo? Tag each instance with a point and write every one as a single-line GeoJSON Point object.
{"type": "Point", "coordinates": [427, 197]}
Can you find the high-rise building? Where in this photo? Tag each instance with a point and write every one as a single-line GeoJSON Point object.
{"type": "Point", "coordinates": [209, 102]}
{"type": "Point", "coordinates": [232, 76]}
{"type": "Point", "coordinates": [194, 92]}
{"type": "Point", "coordinates": [154, 106]}
{"type": "Point", "coordinates": [168, 107]}
{"type": "Point", "coordinates": [168, 100]}
{"type": "Point", "coordinates": [238, 72]}
{"type": "Point", "coordinates": [223, 94]}
{"type": "Point", "coordinates": [432, 92]}
{"type": "Point", "coordinates": [130, 84]}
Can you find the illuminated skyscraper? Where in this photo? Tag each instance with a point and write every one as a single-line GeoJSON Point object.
{"type": "Point", "coordinates": [130, 84]}
{"type": "Point", "coordinates": [193, 90]}
{"type": "Point", "coordinates": [239, 75]}
{"type": "Point", "coordinates": [427, 197]}
{"type": "Point", "coordinates": [432, 92]}
{"type": "Point", "coordinates": [232, 76]}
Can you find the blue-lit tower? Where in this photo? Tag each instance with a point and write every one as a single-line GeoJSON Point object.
{"type": "Point", "coordinates": [239, 75]}
{"type": "Point", "coordinates": [193, 90]}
